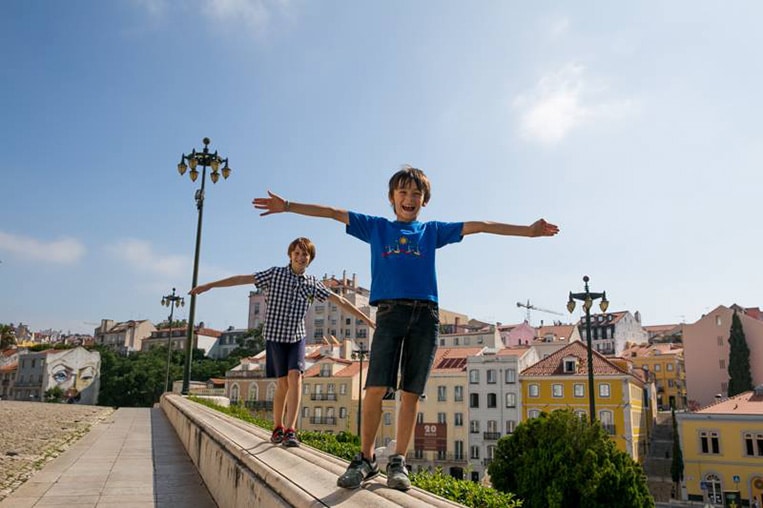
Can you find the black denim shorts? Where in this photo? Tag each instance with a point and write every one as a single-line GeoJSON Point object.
{"type": "Point", "coordinates": [405, 341]}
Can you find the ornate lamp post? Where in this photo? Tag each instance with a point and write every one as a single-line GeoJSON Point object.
{"type": "Point", "coordinates": [171, 301]}
{"type": "Point", "coordinates": [587, 298]}
{"type": "Point", "coordinates": [360, 354]}
{"type": "Point", "coordinates": [213, 161]}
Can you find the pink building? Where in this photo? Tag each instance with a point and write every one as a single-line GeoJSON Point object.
{"type": "Point", "coordinates": [706, 352]}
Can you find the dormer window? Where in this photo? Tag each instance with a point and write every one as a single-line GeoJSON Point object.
{"type": "Point", "coordinates": [570, 365]}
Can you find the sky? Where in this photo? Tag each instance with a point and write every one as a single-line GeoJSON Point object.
{"type": "Point", "coordinates": [634, 126]}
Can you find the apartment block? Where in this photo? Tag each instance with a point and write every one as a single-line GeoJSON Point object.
{"type": "Point", "coordinates": [665, 365]}
{"type": "Point", "coordinates": [612, 331]}
{"type": "Point", "coordinates": [494, 396]}
{"type": "Point", "coordinates": [706, 352]}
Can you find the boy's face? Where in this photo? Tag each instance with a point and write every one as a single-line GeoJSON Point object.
{"type": "Point", "coordinates": [299, 260]}
{"type": "Point", "coordinates": [407, 202]}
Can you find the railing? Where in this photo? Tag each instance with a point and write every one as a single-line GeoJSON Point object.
{"type": "Point", "coordinates": [491, 436]}
{"type": "Point", "coordinates": [259, 404]}
{"type": "Point", "coordinates": [323, 396]}
{"type": "Point", "coordinates": [323, 420]}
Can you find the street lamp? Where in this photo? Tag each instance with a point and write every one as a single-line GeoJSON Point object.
{"type": "Point", "coordinates": [360, 354]}
{"type": "Point", "coordinates": [171, 301]}
{"type": "Point", "coordinates": [587, 298]}
{"type": "Point", "coordinates": [195, 159]}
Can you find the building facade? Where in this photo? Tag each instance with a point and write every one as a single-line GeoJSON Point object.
{"type": "Point", "coordinates": [706, 352]}
{"type": "Point", "coordinates": [722, 447]}
{"type": "Point", "coordinates": [612, 331]}
{"type": "Point", "coordinates": [665, 364]}
{"type": "Point", "coordinates": [124, 337]}
{"type": "Point", "coordinates": [560, 381]}
{"type": "Point", "coordinates": [494, 397]}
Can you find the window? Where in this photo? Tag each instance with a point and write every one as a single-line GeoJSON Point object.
{"type": "Point", "coordinates": [455, 341]}
{"type": "Point", "coordinates": [325, 370]}
{"type": "Point", "coordinates": [669, 367]}
{"type": "Point", "coordinates": [474, 376]}
{"type": "Point", "coordinates": [442, 393]}
{"type": "Point", "coordinates": [580, 413]}
{"type": "Point", "coordinates": [724, 387]}
{"type": "Point", "coordinates": [458, 393]}
{"type": "Point", "coordinates": [474, 426]}
{"type": "Point", "coordinates": [709, 442]}
{"type": "Point", "coordinates": [657, 367]}
{"type": "Point", "coordinates": [533, 390]}
{"type": "Point", "coordinates": [717, 320]}
{"type": "Point", "coordinates": [420, 418]}
{"type": "Point", "coordinates": [511, 376]}
{"type": "Point", "coordinates": [533, 413]}
{"type": "Point", "coordinates": [491, 378]}
{"type": "Point", "coordinates": [720, 341]}
{"type": "Point", "coordinates": [578, 390]}
{"type": "Point", "coordinates": [459, 450]}
{"type": "Point", "coordinates": [604, 390]}
{"type": "Point", "coordinates": [511, 400]}
{"type": "Point", "coordinates": [387, 418]}
{"type": "Point", "coordinates": [474, 452]}
{"type": "Point", "coordinates": [342, 412]}
{"type": "Point", "coordinates": [458, 419]}
{"type": "Point", "coordinates": [474, 400]}
{"type": "Point", "coordinates": [570, 366]}
{"type": "Point", "coordinates": [753, 444]}
{"type": "Point", "coordinates": [722, 363]}
{"type": "Point", "coordinates": [305, 412]}
{"type": "Point", "coordinates": [557, 391]}
{"type": "Point", "coordinates": [492, 400]}
{"type": "Point", "coordinates": [343, 389]}
{"type": "Point", "coordinates": [440, 417]}
{"type": "Point", "coordinates": [510, 426]}
{"type": "Point", "coordinates": [607, 421]}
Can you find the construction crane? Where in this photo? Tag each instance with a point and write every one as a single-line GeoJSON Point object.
{"type": "Point", "coordinates": [530, 307]}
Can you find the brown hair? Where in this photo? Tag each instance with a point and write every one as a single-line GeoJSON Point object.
{"type": "Point", "coordinates": [406, 175]}
{"type": "Point", "coordinates": [305, 244]}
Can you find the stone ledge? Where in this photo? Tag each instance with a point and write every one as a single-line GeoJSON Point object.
{"type": "Point", "coordinates": [242, 468]}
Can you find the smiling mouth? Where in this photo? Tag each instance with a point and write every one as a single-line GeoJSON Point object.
{"type": "Point", "coordinates": [409, 208]}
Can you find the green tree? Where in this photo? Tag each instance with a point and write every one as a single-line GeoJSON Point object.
{"type": "Point", "coordinates": [55, 394]}
{"type": "Point", "coordinates": [249, 344]}
{"type": "Point", "coordinates": [560, 460]}
{"type": "Point", "coordinates": [740, 378]}
{"type": "Point", "coordinates": [677, 465]}
{"type": "Point", "coordinates": [7, 336]}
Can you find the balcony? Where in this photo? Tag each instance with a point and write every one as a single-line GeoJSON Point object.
{"type": "Point", "coordinates": [323, 396]}
{"type": "Point", "coordinates": [450, 457]}
{"type": "Point", "coordinates": [491, 436]}
{"type": "Point", "coordinates": [323, 420]}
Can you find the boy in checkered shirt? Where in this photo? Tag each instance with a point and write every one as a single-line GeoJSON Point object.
{"type": "Point", "coordinates": [404, 291]}
{"type": "Point", "coordinates": [289, 293]}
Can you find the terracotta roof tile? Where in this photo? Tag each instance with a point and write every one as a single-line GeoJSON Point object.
{"type": "Point", "coordinates": [747, 403]}
{"type": "Point", "coordinates": [552, 364]}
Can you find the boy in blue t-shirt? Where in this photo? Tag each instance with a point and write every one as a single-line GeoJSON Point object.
{"type": "Point", "coordinates": [404, 289]}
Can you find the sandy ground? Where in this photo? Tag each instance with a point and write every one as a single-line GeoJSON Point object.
{"type": "Point", "coordinates": [32, 433]}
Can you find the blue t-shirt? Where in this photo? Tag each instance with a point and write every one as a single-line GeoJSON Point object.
{"type": "Point", "coordinates": [403, 254]}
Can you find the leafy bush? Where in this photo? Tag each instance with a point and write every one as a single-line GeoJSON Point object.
{"type": "Point", "coordinates": [465, 492]}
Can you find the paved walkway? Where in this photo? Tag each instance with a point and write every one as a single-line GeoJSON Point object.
{"type": "Point", "coordinates": [132, 459]}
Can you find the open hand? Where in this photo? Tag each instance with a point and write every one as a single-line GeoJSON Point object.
{"type": "Point", "coordinates": [271, 204]}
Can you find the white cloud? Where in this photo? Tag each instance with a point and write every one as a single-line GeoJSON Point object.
{"type": "Point", "coordinates": [563, 101]}
{"type": "Point", "coordinates": [141, 257]}
{"type": "Point", "coordinates": [65, 250]}
{"type": "Point", "coordinates": [255, 14]}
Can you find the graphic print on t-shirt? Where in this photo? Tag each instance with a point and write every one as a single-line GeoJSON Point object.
{"type": "Point", "coordinates": [403, 246]}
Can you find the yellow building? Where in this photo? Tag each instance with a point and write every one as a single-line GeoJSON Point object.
{"type": "Point", "coordinates": [560, 381]}
{"type": "Point", "coordinates": [665, 363]}
{"type": "Point", "coordinates": [722, 447]}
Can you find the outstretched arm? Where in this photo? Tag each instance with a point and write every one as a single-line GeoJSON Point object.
{"type": "Point", "coordinates": [236, 280]}
{"type": "Point", "coordinates": [349, 307]}
{"type": "Point", "coordinates": [276, 204]}
{"type": "Point", "coordinates": [538, 228]}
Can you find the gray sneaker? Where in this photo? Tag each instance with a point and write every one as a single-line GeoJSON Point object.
{"type": "Point", "coordinates": [359, 470]}
{"type": "Point", "coordinates": [397, 473]}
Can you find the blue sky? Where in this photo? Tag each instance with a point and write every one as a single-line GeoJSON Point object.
{"type": "Point", "coordinates": [633, 126]}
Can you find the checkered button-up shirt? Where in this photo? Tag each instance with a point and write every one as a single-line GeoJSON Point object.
{"type": "Point", "coordinates": [288, 296]}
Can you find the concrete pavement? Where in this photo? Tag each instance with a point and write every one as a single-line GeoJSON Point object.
{"type": "Point", "coordinates": [133, 459]}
